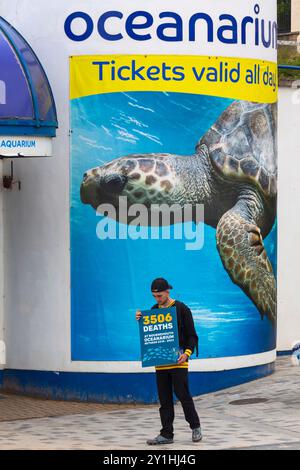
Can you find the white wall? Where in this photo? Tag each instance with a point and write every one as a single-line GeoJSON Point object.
{"type": "Point", "coordinates": [289, 221]}
{"type": "Point", "coordinates": [36, 219]}
{"type": "Point", "coordinates": [36, 222]}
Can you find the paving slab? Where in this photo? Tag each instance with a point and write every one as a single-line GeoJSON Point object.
{"type": "Point", "coordinates": [271, 424]}
{"type": "Point", "coordinates": [15, 407]}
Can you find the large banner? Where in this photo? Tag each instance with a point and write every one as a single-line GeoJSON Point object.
{"type": "Point", "coordinates": [174, 174]}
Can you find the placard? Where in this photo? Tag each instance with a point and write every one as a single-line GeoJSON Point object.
{"type": "Point", "coordinates": [159, 337]}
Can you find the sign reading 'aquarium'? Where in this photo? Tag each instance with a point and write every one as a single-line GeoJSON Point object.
{"type": "Point", "coordinates": [159, 337]}
{"type": "Point", "coordinates": [23, 146]}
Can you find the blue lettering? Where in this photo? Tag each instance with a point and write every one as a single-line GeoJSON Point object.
{"type": "Point", "coordinates": [192, 26]}
{"type": "Point", "coordinates": [168, 26]}
{"type": "Point", "coordinates": [152, 73]}
{"type": "Point", "coordinates": [257, 32]}
{"type": "Point", "coordinates": [274, 35]}
{"type": "Point", "coordinates": [120, 70]}
{"type": "Point", "coordinates": [18, 143]}
{"type": "Point", "coordinates": [136, 73]}
{"type": "Point", "coordinates": [130, 25]}
{"type": "Point", "coordinates": [256, 11]}
{"type": "Point", "coordinates": [177, 71]}
{"type": "Point", "coordinates": [101, 25]}
{"type": "Point", "coordinates": [266, 42]}
{"type": "Point", "coordinates": [177, 26]}
{"type": "Point", "coordinates": [100, 64]}
{"type": "Point", "coordinates": [89, 26]}
{"type": "Point", "coordinates": [198, 75]}
{"type": "Point", "coordinates": [245, 21]}
{"type": "Point", "coordinates": [231, 28]}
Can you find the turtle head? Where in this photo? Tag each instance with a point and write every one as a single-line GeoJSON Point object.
{"type": "Point", "coordinates": [106, 183]}
{"type": "Point", "coordinates": [143, 179]}
{"type": "Point", "coordinates": [102, 184]}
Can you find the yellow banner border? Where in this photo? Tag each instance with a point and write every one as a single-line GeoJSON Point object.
{"type": "Point", "coordinates": [85, 76]}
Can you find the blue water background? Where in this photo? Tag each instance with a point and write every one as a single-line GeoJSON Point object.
{"type": "Point", "coordinates": [110, 279]}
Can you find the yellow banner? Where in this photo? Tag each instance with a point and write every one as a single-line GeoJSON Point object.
{"type": "Point", "coordinates": [227, 77]}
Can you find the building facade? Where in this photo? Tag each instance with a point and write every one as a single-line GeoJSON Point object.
{"type": "Point", "coordinates": [67, 321]}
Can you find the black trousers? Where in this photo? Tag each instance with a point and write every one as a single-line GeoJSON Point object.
{"type": "Point", "coordinates": [176, 380]}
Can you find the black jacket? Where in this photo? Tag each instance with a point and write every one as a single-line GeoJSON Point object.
{"type": "Point", "coordinates": [188, 338]}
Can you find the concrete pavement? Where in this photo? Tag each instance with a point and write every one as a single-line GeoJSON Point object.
{"type": "Point", "coordinates": [269, 419]}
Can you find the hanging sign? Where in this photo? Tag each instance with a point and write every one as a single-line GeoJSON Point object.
{"type": "Point", "coordinates": [23, 146]}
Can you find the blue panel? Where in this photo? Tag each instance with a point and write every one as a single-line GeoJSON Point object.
{"type": "Point", "coordinates": [20, 130]}
{"type": "Point", "coordinates": [36, 74]}
{"type": "Point", "coordinates": [23, 83]}
{"type": "Point", "coordinates": [14, 88]}
{"type": "Point", "coordinates": [119, 388]}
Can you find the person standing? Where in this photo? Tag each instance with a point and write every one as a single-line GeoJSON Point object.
{"type": "Point", "coordinates": [174, 377]}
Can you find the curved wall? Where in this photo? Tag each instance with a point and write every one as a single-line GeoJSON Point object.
{"type": "Point", "coordinates": [68, 294]}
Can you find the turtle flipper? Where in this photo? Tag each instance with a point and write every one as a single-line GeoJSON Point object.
{"type": "Point", "coordinates": [244, 257]}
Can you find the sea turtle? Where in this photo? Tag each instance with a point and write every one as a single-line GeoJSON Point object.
{"type": "Point", "coordinates": [233, 172]}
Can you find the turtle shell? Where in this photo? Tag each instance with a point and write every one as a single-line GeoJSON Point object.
{"type": "Point", "coordinates": [242, 144]}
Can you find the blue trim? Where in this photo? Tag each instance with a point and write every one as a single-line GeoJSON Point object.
{"type": "Point", "coordinates": [284, 353]}
{"type": "Point", "coordinates": [289, 67]}
{"type": "Point", "coordinates": [1, 377]}
{"type": "Point", "coordinates": [120, 387]}
{"type": "Point", "coordinates": [42, 68]}
{"type": "Point", "coordinates": [26, 122]}
{"type": "Point", "coordinates": [27, 131]}
{"type": "Point", "coordinates": [26, 72]}
{"type": "Point", "coordinates": [37, 122]}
